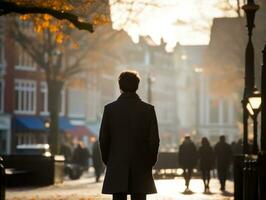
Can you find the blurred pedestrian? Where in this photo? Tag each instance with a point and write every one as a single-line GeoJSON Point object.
{"type": "Point", "coordinates": [206, 162]}
{"type": "Point", "coordinates": [223, 156]}
{"type": "Point", "coordinates": [129, 142]}
{"type": "Point", "coordinates": [238, 147]}
{"type": "Point", "coordinates": [97, 160]}
{"type": "Point", "coordinates": [81, 156]}
{"type": "Point", "coordinates": [187, 159]}
{"type": "Point", "coordinates": [66, 151]}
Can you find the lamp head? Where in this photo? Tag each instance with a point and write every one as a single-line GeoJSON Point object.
{"type": "Point", "coordinates": [254, 102]}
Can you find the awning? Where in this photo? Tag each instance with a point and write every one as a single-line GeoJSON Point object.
{"type": "Point", "coordinates": [35, 123]}
{"type": "Point", "coordinates": [64, 124]}
{"type": "Point", "coordinates": [28, 123]}
{"type": "Point", "coordinates": [94, 127]}
{"type": "Point", "coordinates": [80, 131]}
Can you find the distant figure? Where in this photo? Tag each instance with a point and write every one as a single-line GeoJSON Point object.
{"type": "Point", "coordinates": [129, 142]}
{"type": "Point", "coordinates": [187, 159]}
{"type": "Point", "coordinates": [223, 155]}
{"type": "Point", "coordinates": [81, 155]}
{"type": "Point", "coordinates": [239, 147]}
{"type": "Point", "coordinates": [206, 162]}
{"type": "Point", "coordinates": [97, 160]}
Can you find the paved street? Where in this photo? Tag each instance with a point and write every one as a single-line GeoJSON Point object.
{"type": "Point", "coordinates": [86, 189]}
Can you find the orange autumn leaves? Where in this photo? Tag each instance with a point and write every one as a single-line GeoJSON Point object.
{"type": "Point", "coordinates": [60, 28]}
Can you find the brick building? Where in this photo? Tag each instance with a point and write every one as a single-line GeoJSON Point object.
{"type": "Point", "coordinates": [24, 99]}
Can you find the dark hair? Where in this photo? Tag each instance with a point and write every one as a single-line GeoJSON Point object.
{"type": "Point", "coordinates": [222, 138]}
{"type": "Point", "coordinates": [129, 81]}
{"type": "Point", "coordinates": [205, 142]}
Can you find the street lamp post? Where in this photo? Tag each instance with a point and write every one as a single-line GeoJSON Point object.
{"type": "Point", "coordinates": [250, 9]}
{"type": "Point", "coordinates": [253, 107]}
{"type": "Point", "coordinates": [262, 154]}
{"type": "Point", "coordinates": [263, 103]}
{"type": "Point", "coordinates": [240, 170]}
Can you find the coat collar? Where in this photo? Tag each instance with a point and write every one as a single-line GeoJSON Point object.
{"type": "Point", "coordinates": [129, 95]}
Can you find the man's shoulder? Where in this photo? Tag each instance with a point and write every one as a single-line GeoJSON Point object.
{"type": "Point", "coordinates": [142, 103]}
{"type": "Point", "coordinates": [110, 105]}
{"type": "Point", "coordinates": [148, 105]}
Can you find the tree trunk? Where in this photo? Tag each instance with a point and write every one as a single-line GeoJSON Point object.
{"type": "Point", "coordinates": [54, 99]}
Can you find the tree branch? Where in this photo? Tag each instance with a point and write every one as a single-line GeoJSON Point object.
{"type": "Point", "coordinates": [10, 7]}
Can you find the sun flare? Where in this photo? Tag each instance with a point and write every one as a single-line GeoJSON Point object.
{"type": "Point", "coordinates": [173, 21]}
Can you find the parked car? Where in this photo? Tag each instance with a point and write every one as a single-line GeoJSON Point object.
{"type": "Point", "coordinates": [72, 170]}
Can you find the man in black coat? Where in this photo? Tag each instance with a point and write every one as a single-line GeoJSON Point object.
{"type": "Point", "coordinates": [223, 155]}
{"type": "Point", "coordinates": [187, 159]}
{"type": "Point", "coordinates": [129, 142]}
{"type": "Point", "coordinates": [97, 160]}
{"type": "Point", "coordinates": [81, 156]}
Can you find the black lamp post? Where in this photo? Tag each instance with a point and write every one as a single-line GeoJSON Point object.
{"type": "Point", "coordinates": [253, 106]}
{"type": "Point", "coordinates": [263, 103]}
{"type": "Point", "coordinates": [250, 9]}
{"type": "Point", "coordinates": [262, 154]}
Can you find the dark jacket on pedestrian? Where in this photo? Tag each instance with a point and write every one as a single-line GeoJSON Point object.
{"type": "Point", "coordinates": [129, 143]}
{"type": "Point", "coordinates": [96, 156]}
{"type": "Point", "coordinates": [187, 154]}
{"type": "Point", "coordinates": [223, 154]}
{"type": "Point", "coordinates": [81, 156]}
{"type": "Point", "coordinates": [206, 157]}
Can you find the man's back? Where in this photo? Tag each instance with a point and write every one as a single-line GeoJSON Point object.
{"type": "Point", "coordinates": [129, 143]}
{"type": "Point", "coordinates": [188, 154]}
{"type": "Point", "coordinates": [223, 153]}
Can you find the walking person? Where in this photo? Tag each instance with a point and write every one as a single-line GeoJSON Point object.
{"type": "Point", "coordinates": [187, 159]}
{"type": "Point", "coordinates": [81, 156]}
{"type": "Point", "coordinates": [97, 160]}
{"type": "Point", "coordinates": [206, 162]}
{"type": "Point", "coordinates": [129, 142]}
{"type": "Point", "coordinates": [223, 156]}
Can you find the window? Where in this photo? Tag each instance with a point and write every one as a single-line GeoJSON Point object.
{"type": "Point", "coordinates": [25, 96]}
{"type": "Point", "coordinates": [226, 112]}
{"type": "Point", "coordinates": [76, 103]}
{"type": "Point", "coordinates": [44, 100]}
{"type": "Point", "coordinates": [1, 95]}
{"type": "Point", "coordinates": [24, 60]}
{"type": "Point", "coordinates": [214, 111]}
{"type": "Point", "coordinates": [3, 141]}
{"type": "Point", "coordinates": [26, 139]}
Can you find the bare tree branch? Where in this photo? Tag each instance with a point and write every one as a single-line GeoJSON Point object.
{"type": "Point", "coordinates": [7, 7]}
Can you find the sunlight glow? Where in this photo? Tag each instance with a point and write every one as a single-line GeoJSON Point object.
{"type": "Point", "coordinates": [171, 21]}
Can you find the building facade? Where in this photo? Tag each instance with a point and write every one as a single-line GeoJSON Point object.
{"type": "Point", "coordinates": [24, 99]}
{"type": "Point", "coordinates": [201, 111]}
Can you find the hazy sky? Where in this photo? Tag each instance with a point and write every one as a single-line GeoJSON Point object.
{"type": "Point", "coordinates": [185, 21]}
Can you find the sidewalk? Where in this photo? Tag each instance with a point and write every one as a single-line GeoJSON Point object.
{"type": "Point", "coordinates": [87, 189]}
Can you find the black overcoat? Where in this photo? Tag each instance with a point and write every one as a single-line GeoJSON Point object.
{"type": "Point", "coordinates": [206, 157]}
{"type": "Point", "coordinates": [223, 154]}
{"type": "Point", "coordinates": [187, 155]}
{"type": "Point", "coordinates": [129, 143]}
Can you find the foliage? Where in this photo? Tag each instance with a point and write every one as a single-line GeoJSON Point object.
{"type": "Point", "coordinates": [81, 14]}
